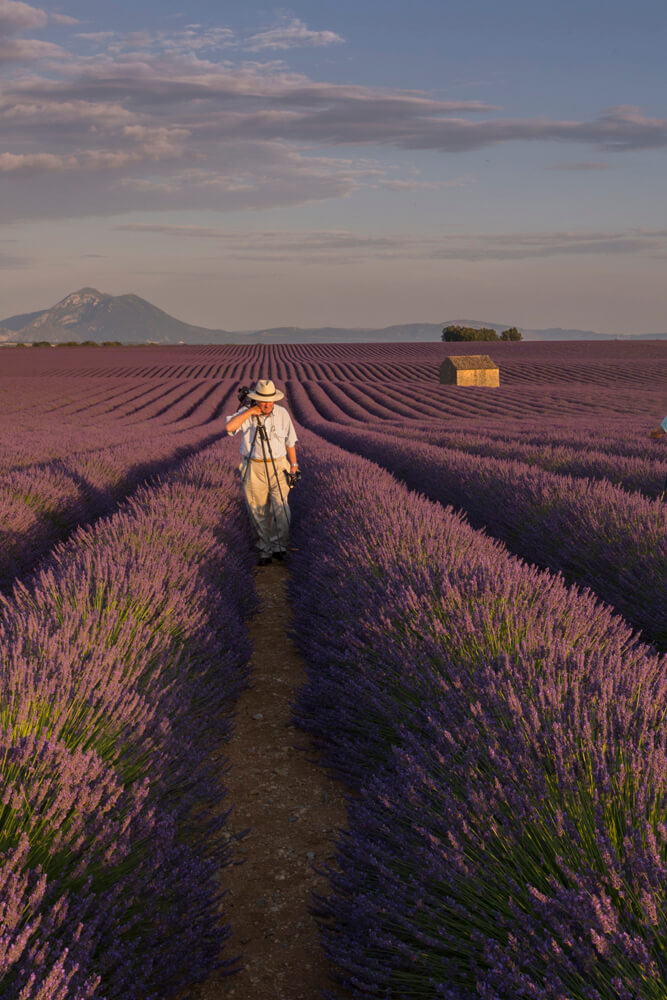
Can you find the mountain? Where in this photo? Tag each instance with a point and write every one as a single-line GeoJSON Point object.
{"type": "Point", "coordinates": [92, 315]}
{"type": "Point", "coordinates": [335, 334]}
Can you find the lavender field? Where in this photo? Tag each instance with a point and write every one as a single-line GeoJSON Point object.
{"type": "Point", "coordinates": [478, 585]}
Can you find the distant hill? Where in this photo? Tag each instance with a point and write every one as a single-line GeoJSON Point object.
{"type": "Point", "coordinates": [330, 334]}
{"type": "Point", "coordinates": [414, 332]}
{"type": "Point", "coordinates": [555, 333]}
{"type": "Point", "coordinates": [92, 315]}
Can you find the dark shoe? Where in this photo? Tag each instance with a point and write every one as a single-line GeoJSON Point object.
{"type": "Point", "coordinates": [264, 560]}
{"type": "Point", "coordinates": [280, 556]}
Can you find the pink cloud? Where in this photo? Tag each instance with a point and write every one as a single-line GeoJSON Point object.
{"type": "Point", "coordinates": [289, 35]}
{"type": "Point", "coordinates": [16, 16]}
{"type": "Point", "coordinates": [63, 19]}
{"type": "Point", "coordinates": [28, 50]}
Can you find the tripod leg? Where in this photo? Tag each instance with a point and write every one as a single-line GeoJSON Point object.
{"type": "Point", "coordinates": [279, 512]}
{"type": "Point", "coordinates": [254, 496]}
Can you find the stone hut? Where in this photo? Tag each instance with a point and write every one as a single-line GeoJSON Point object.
{"type": "Point", "coordinates": [469, 369]}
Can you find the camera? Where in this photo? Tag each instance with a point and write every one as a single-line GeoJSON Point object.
{"type": "Point", "coordinates": [243, 396]}
{"type": "Point", "coordinates": [292, 478]}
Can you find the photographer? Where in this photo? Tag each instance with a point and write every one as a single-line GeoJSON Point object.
{"type": "Point", "coordinates": [269, 467]}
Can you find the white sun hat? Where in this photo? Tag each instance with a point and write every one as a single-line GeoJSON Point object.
{"type": "Point", "coordinates": [266, 392]}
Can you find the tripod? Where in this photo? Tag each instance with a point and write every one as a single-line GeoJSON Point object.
{"type": "Point", "coordinates": [267, 456]}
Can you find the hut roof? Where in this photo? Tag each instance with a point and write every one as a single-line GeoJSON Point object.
{"type": "Point", "coordinates": [467, 361]}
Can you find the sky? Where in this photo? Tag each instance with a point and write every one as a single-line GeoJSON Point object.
{"type": "Point", "coordinates": [362, 163]}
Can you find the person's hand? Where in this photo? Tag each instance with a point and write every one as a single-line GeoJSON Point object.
{"type": "Point", "coordinates": [255, 410]}
{"type": "Point", "coordinates": [657, 432]}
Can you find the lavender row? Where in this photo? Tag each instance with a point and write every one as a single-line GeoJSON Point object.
{"type": "Point", "coordinates": [506, 736]}
{"type": "Point", "coordinates": [614, 441]}
{"type": "Point", "coordinates": [117, 415]}
{"type": "Point", "coordinates": [169, 401]}
{"type": "Point", "coordinates": [606, 366]}
{"type": "Point", "coordinates": [645, 475]}
{"type": "Point", "coordinates": [120, 665]}
{"type": "Point", "coordinates": [41, 504]}
{"type": "Point", "coordinates": [594, 533]}
{"type": "Point", "coordinates": [616, 420]}
{"type": "Point", "coordinates": [21, 447]}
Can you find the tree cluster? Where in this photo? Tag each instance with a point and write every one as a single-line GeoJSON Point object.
{"type": "Point", "coordinates": [88, 343]}
{"type": "Point", "coordinates": [467, 333]}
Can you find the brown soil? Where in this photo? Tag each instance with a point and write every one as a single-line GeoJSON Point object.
{"type": "Point", "coordinates": [294, 812]}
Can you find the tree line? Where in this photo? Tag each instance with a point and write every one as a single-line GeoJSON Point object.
{"type": "Point", "coordinates": [455, 332]}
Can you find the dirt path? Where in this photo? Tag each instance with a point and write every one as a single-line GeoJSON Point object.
{"type": "Point", "coordinates": [293, 809]}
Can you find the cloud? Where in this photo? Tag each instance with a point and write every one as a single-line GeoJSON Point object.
{"type": "Point", "coordinates": [290, 34]}
{"type": "Point", "coordinates": [269, 103]}
{"type": "Point", "coordinates": [192, 179]}
{"type": "Point", "coordinates": [28, 50]}
{"type": "Point", "coordinates": [29, 115]}
{"type": "Point", "coordinates": [96, 37]}
{"type": "Point", "coordinates": [63, 19]}
{"type": "Point", "coordinates": [144, 144]}
{"type": "Point", "coordinates": [258, 176]}
{"type": "Point", "coordinates": [198, 38]}
{"type": "Point", "coordinates": [526, 246]}
{"type": "Point", "coordinates": [193, 232]}
{"type": "Point", "coordinates": [46, 163]}
{"type": "Point", "coordinates": [160, 120]}
{"type": "Point", "coordinates": [268, 176]}
{"type": "Point", "coordinates": [343, 246]}
{"type": "Point", "coordinates": [11, 263]}
{"type": "Point", "coordinates": [16, 17]}
{"type": "Point", "coordinates": [184, 43]}
{"type": "Point", "coordinates": [581, 166]}
{"type": "Point", "coordinates": [32, 163]}
{"type": "Point", "coordinates": [338, 117]}
{"type": "Point", "coordinates": [413, 184]}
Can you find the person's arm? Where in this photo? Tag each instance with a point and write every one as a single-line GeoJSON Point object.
{"type": "Point", "coordinates": [660, 430]}
{"type": "Point", "coordinates": [290, 443]}
{"type": "Point", "coordinates": [240, 418]}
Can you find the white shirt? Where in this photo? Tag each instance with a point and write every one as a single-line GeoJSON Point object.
{"type": "Point", "coordinates": [279, 430]}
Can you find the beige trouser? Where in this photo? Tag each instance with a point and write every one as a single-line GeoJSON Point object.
{"type": "Point", "coordinates": [269, 514]}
